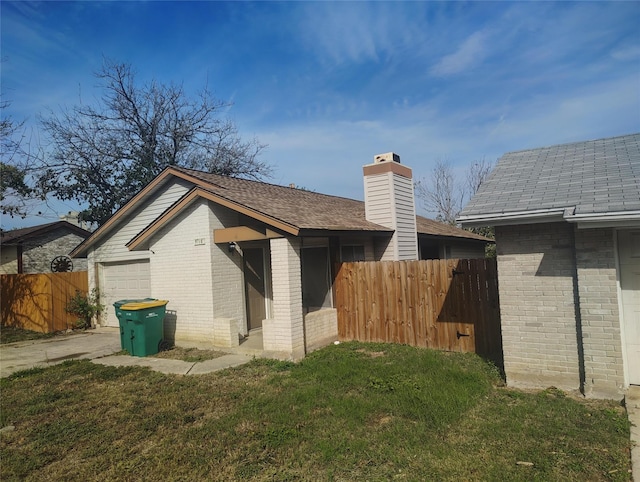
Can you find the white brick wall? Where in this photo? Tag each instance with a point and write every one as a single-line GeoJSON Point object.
{"type": "Point", "coordinates": [227, 273]}
{"type": "Point", "coordinates": [320, 328]}
{"type": "Point", "coordinates": [283, 334]}
{"type": "Point", "coordinates": [599, 313]}
{"type": "Point", "coordinates": [535, 270]}
{"type": "Point", "coordinates": [181, 273]}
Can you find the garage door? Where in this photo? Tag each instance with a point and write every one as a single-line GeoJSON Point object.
{"type": "Point", "coordinates": [120, 281]}
{"type": "Point", "coordinates": [629, 256]}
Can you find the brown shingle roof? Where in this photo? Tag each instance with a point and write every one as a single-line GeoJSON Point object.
{"type": "Point", "coordinates": [297, 208]}
{"type": "Point", "coordinates": [310, 210]}
{"type": "Point", "coordinates": [16, 236]}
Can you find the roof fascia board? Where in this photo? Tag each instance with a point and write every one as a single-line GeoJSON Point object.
{"type": "Point", "coordinates": [512, 218]}
{"type": "Point", "coordinates": [200, 193]}
{"type": "Point", "coordinates": [590, 220]}
{"type": "Point", "coordinates": [606, 220]}
{"type": "Point", "coordinates": [242, 233]}
{"type": "Point", "coordinates": [120, 213]}
{"type": "Point", "coordinates": [446, 237]}
{"type": "Point", "coordinates": [344, 232]}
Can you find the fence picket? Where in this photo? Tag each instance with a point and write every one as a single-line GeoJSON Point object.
{"type": "Point", "coordinates": [38, 302]}
{"type": "Point", "coordinates": [431, 303]}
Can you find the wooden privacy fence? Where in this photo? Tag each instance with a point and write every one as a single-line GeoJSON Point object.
{"type": "Point", "coordinates": [443, 304]}
{"type": "Point", "coordinates": [38, 302]}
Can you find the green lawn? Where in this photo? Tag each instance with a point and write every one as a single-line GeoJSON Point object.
{"type": "Point", "coordinates": [347, 412]}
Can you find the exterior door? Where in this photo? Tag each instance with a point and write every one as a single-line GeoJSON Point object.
{"type": "Point", "coordinates": [629, 256]}
{"type": "Point", "coordinates": [255, 286]}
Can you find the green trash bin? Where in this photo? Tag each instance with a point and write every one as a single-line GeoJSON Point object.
{"type": "Point", "coordinates": [125, 338]}
{"type": "Point", "coordinates": [142, 326]}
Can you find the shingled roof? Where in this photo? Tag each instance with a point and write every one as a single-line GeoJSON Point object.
{"type": "Point", "coordinates": [304, 212]}
{"type": "Point", "coordinates": [590, 180]}
{"type": "Point", "coordinates": [308, 210]}
{"type": "Point", "coordinates": [17, 236]}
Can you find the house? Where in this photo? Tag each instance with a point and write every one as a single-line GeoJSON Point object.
{"type": "Point", "coordinates": [233, 255]}
{"type": "Point", "coordinates": [567, 226]}
{"type": "Point", "coordinates": [41, 249]}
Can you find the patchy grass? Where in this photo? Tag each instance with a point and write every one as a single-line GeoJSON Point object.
{"type": "Point", "coordinates": [10, 334]}
{"type": "Point", "coordinates": [188, 354]}
{"type": "Point", "coordinates": [347, 412]}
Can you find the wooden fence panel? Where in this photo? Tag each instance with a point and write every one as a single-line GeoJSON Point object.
{"type": "Point", "coordinates": [443, 304]}
{"type": "Point", "coordinates": [38, 302]}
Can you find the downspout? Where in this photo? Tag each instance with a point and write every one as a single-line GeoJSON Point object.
{"type": "Point", "coordinates": [578, 311]}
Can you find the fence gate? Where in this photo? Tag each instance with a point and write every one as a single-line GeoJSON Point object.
{"type": "Point", "coordinates": [442, 304]}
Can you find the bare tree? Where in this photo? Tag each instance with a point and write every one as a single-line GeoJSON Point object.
{"type": "Point", "coordinates": [477, 174]}
{"type": "Point", "coordinates": [17, 198]}
{"type": "Point", "coordinates": [103, 155]}
{"type": "Point", "coordinates": [445, 195]}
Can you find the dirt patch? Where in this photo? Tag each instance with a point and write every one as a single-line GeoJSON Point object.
{"type": "Point", "coordinates": [188, 354]}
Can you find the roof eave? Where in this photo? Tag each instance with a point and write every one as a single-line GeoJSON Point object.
{"type": "Point", "coordinates": [586, 220]}
{"type": "Point", "coordinates": [618, 219]}
{"type": "Point", "coordinates": [83, 248]}
{"type": "Point", "coordinates": [140, 241]}
{"type": "Point", "coordinates": [512, 218]}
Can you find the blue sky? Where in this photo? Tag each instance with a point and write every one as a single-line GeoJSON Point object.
{"type": "Point", "coordinates": [329, 85]}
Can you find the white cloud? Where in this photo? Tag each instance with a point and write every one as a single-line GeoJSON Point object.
{"type": "Point", "coordinates": [470, 54]}
{"type": "Point", "coordinates": [359, 32]}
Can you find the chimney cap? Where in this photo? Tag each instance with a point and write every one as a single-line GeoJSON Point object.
{"type": "Point", "coordinates": [386, 157]}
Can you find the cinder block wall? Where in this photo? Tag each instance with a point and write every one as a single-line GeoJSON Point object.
{"type": "Point", "coordinates": [536, 268]}
{"type": "Point", "coordinates": [599, 313]}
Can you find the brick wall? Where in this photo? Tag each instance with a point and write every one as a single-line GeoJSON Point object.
{"type": "Point", "coordinates": [283, 334]}
{"type": "Point", "coordinates": [320, 328]}
{"type": "Point", "coordinates": [599, 313]}
{"type": "Point", "coordinates": [537, 305]}
{"type": "Point", "coordinates": [181, 273]}
{"type": "Point", "coordinates": [227, 275]}
{"type": "Point", "coordinates": [202, 281]}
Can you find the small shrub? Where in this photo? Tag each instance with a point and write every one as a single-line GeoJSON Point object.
{"type": "Point", "coordinates": [85, 307]}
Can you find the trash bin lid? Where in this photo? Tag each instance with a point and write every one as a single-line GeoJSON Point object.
{"type": "Point", "coordinates": [119, 303]}
{"type": "Point", "coordinates": [143, 305]}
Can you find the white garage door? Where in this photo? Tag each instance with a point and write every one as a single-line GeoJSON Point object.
{"type": "Point", "coordinates": [121, 281]}
{"type": "Point", "coordinates": [629, 255]}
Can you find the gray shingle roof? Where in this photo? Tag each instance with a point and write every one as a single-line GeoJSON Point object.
{"type": "Point", "coordinates": [595, 177]}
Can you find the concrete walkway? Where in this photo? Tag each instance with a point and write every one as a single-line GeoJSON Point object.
{"type": "Point", "coordinates": [97, 345]}
{"type": "Point", "coordinates": [632, 402]}
{"type": "Point", "coordinates": [175, 367]}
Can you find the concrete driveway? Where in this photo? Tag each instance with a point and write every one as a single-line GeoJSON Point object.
{"type": "Point", "coordinates": [41, 353]}
{"type": "Point", "coordinates": [97, 345]}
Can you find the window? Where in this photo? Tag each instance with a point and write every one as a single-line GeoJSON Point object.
{"type": "Point", "coordinates": [351, 253]}
{"type": "Point", "coordinates": [316, 284]}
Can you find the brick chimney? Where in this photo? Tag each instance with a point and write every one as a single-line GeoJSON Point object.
{"type": "Point", "coordinates": [388, 200]}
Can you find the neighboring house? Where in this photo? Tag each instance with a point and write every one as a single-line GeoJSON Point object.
{"type": "Point", "coordinates": [567, 226]}
{"type": "Point", "coordinates": [34, 249]}
{"type": "Point", "coordinates": [233, 255]}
